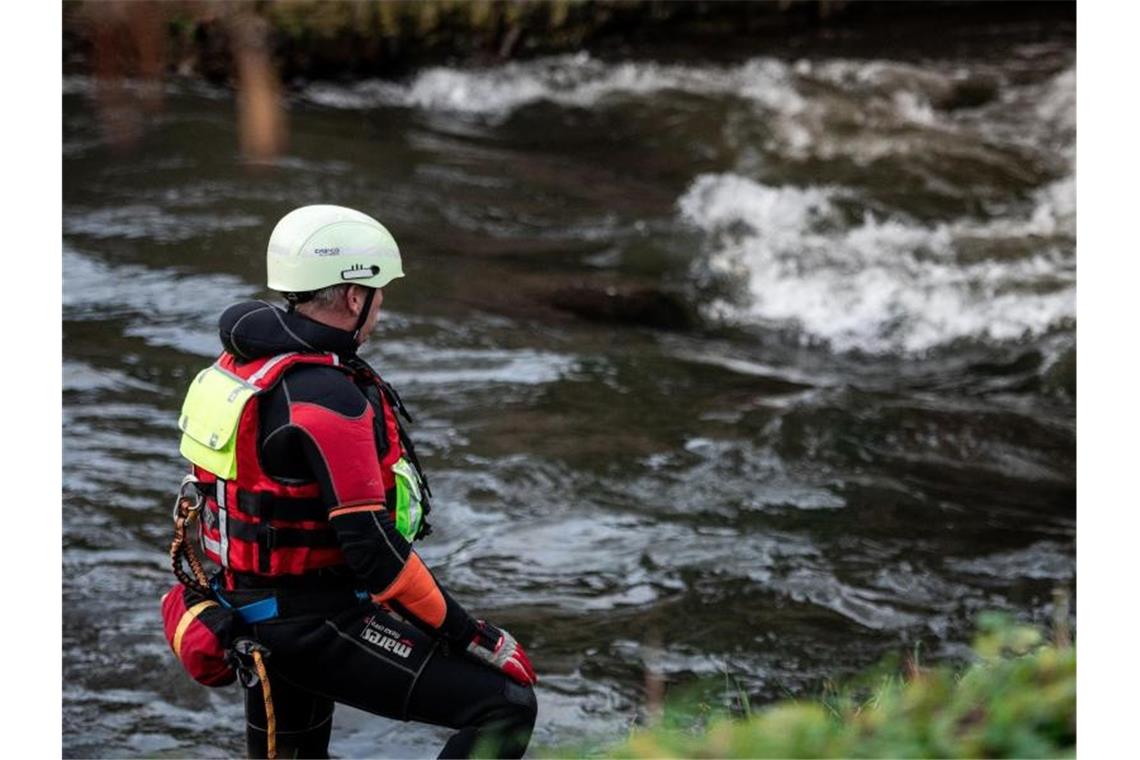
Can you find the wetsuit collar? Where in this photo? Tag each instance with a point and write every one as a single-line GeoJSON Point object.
{"type": "Point", "coordinates": [256, 329]}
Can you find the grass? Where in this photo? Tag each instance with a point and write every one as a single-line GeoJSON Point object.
{"type": "Point", "coordinates": [1016, 699]}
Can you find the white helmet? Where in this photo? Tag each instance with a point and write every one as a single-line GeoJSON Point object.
{"type": "Point", "coordinates": [313, 247]}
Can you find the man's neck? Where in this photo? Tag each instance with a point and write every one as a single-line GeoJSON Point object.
{"type": "Point", "coordinates": [338, 319]}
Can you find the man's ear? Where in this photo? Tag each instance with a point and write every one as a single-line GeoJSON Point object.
{"type": "Point", "coordinates": [354, 299]}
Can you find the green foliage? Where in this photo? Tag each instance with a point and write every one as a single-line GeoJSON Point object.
{"type": "Point", "coordinates": [1018, 699]}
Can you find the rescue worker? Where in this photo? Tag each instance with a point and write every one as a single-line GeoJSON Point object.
{"type": "Point", "coordinates": [312, 510]}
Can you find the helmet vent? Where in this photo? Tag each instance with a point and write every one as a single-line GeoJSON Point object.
{"type": "Point", "coordinates": [359, 272]}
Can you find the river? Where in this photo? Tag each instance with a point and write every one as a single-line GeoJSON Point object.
{"type": "Point", "coordinates": [742, 372]}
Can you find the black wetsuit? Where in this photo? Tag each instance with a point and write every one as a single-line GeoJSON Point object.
{"type": "Point", "coordinates": [386, 659]}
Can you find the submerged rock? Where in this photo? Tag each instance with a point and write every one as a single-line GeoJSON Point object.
{"type": "Point", "coordinates": [970, 92]}
{"type": "Point", "coordinates": [647, 307]}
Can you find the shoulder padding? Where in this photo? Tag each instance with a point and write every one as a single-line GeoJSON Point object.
{"type": "Point", "coordinates": [325, 386]}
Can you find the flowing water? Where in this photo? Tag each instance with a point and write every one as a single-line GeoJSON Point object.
{"type": "Point", "coordinates": [744, 372]}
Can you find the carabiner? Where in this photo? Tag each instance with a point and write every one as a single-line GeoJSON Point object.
{"type": "Point", "coordinates": [189, 499]}
{"type": "Point", "coordinates": [244, 663]}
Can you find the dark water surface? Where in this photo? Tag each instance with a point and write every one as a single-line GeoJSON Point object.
{"type": "Point", "coordinates": [860, 433]}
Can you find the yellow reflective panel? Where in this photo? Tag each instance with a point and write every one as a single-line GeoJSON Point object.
{"type": "Point", "coordinates": [209, 420]}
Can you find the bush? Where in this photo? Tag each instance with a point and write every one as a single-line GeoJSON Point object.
{"type": "Point", "coordinates": [1017, 699]}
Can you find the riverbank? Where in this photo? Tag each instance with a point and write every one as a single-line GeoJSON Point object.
{"type": "Point", "coordinates": [1018, 699]}
{"type": "Point", "coordinates": [350, 40]}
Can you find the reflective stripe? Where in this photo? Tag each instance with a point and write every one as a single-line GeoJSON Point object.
{"type": "Point", "coordinates": [223, 522]}
{"type": "Point", "coordinates": [211, 545]}
{"type": "Point", "coordinates": [217, 366]}
{"type": "Point", "coordinates": [268, 366]}
{"type": "Point", "coordinates": [415, 517]}
{"type": "Point", "coordinates": [188, 618]}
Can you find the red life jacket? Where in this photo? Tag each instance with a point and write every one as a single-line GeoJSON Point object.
{"type": "Point", "coordinates": [256, 524]}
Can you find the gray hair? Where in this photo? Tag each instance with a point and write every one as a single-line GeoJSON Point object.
{"type": "Point", "coordinates": [328, 297]}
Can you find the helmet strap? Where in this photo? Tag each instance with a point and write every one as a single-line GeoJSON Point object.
{"type": "Point", "coordinates": [368, 299]}
{"type": "Point", "coordinates": [292, 299]}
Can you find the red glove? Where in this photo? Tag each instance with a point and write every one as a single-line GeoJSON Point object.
{"type": "Point", "coordinates": [499, 649]}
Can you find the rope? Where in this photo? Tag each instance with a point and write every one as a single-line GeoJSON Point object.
{"type": "Point", "coordinates": [180, 547]}
{"type": "Point", "coordinates": [270, 717]}
{"type": "Point", "coordinates": [186, 511]}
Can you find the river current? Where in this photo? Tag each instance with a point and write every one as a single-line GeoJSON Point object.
{"type": "Point", "coordinates": [740, 373]}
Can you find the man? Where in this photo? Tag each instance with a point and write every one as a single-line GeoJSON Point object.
{"type": "Point", "coordinates": [313, 496]}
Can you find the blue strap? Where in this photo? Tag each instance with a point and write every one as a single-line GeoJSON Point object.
{"type": "Point", "coordinates": [259, 612]}
{"type": "Point", "coordinates": [264, 609]}
{"type": "Point", "coordinates": [255, 612]}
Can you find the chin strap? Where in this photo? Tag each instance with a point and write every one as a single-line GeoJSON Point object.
{"type": "Point", "coordinates": [368, 299]}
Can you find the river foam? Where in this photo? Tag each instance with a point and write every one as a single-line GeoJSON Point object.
{"type": "Point", "coordinates": [570, 80]}
{"type": "Point", "coordinates": [884, 284]}
{"type": "Point", "coordinates": [922, 96]}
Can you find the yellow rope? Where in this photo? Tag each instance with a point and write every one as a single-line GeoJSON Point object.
{"type": "Point", "coordinates": [270, 718]}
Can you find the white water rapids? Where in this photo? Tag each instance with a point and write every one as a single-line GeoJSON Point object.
{"type": "Point", "coordinates": [818, 257]}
